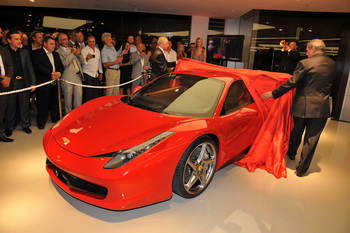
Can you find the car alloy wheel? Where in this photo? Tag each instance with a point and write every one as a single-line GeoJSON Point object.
{"type": "Point", "coordinates": [196, 168]}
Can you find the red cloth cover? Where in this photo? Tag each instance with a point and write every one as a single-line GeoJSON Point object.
{"type": "Point", "coordinates": [271, 144]}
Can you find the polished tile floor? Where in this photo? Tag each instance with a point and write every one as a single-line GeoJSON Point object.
{"type": "Point", "coordinates": [236, 200]}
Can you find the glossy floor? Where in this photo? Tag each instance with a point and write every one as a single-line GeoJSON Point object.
{"type": "Point", "coordinates": [236, 200]}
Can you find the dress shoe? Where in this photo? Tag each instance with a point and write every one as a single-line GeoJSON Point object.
{"type": "Point", "coordinates": [8, 133]}
{"type": "Point", "coordinates": [300, 174]}
{"type": "Point", "coordinates": [27, 130]}
{"type": "Point", "coordinates": [5, 139]}
{"type": "Point", "coordinates": [291, 157]}
{"type": "Point", "coordinates": [41, 127]}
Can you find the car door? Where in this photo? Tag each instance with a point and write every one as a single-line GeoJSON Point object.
{"type": "Point", "coordinates": [239, 123]}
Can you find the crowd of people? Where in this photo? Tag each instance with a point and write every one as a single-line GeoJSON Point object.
{"type": "Point", "coordinates": [75, 59]}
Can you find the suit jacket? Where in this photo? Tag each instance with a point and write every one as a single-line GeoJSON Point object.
{"type": "Point", "coordinates": [312, 79]}
{"type": "Point", "coordinates": [43, 67]}
{"type": "Point", "coordinates": [67, 59]}
{"type": "Point", "coordinates": [27, 66]}
{"type": "Point", "coordinates": [159, 63]}
{"type": "Point", "coordinates": [135, 61]}
{"type": "Point", "coordinates": [8, 65]}
{"type": "Point", "coordinates": [287, 61]}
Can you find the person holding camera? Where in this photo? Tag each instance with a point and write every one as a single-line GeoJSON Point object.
{"type": "Point", "coordinates": [71, 59]}
{"type": "Point", "coordinates": [92, 69]}
{"type": "Point", "coordinates": [288, 57]}
{"type": "Point", "coordinates": [140, 65]}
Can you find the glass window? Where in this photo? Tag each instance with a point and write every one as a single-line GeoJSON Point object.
{"type": "Point", "coordinates": [237, 97]}
{"type": "Point", "coordinates": [179, 94]}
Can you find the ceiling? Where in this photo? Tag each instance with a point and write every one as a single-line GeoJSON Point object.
{"type": "Point", "coordinates": [209, 8]}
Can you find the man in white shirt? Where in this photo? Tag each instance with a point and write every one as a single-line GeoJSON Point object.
{"type": "Point", "coordinates": [92, 68]}
{"type": "Point", "coordinates": [170, 55]}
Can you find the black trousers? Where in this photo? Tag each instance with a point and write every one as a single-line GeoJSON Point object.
{"type": "Point", "coordinates": [90, 93]}
{"type": "Point", "coordinates": [47, 101]}
{"type": "Point", "coordinates": [17, 102]}
{"type": "Point", "coordinates": [313, 128]}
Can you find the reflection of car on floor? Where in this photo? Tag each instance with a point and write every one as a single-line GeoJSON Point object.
{"type": "Point", "coordinates": [123, 152]}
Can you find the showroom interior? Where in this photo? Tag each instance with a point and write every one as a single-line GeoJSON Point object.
{"type": "Point", "coordinates": [237, 200]}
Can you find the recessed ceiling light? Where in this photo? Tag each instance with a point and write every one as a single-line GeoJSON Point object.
{"type": "Point", "coordinates": [29, 15]}
{"type": "Point", "coordinates": [31, 0]}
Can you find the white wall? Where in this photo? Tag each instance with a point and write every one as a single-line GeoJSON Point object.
{"type": "Point", "coordinates": [199, 28]}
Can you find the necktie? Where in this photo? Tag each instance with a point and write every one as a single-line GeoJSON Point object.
{"type": "Point", "coordinates": [75, 63]}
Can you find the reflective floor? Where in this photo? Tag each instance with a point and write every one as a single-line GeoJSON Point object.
{"type": "Point", "coordinates": [236, 200]}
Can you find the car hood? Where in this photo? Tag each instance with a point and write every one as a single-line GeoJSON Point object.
{"type": "Point", "coordinates": [108, 126]}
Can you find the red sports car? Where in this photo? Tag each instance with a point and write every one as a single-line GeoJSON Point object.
{"type": "Point", "coordinates": [172, 135]}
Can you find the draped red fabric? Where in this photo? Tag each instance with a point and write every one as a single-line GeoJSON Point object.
{"type": "Point", "coordinates": [271, 144]}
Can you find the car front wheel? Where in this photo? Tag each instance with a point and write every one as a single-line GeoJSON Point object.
{"type": "Point", "coordinates": [196, 168]}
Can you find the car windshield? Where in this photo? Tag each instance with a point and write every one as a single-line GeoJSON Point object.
{"type": "Point", "coordinates": [180, 94]}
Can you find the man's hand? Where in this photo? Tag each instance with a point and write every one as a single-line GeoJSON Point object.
{"type": "Point", "coordinates": [33, 89]}
{"type": "Point", "coordinates": [267, 95]}
{"type": "Point", "coordinates": [55, 75]}
{"type": "Point", "coordinates": [89, 56]}
{"type": "Point", "coordinates": [6, 81]}
{"type": "Point", "coordinates": [119, 60]}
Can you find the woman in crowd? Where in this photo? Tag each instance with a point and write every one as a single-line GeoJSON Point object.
{"type": "Point", "coordinates": [199, 53]}
{"type": "Point", "coordinates": [125, 70]}
{"type": "Point", "coordinates": [181, 51]}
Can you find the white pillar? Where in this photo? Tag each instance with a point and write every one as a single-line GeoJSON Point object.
{"type": "Point", "coordinates": [199, 28]}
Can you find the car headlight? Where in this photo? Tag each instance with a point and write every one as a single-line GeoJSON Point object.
{"type": "Point", "coordinates": [124, 156]}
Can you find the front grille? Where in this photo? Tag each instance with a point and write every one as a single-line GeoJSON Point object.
{"type": "Point", "coordinates": [77, 184]}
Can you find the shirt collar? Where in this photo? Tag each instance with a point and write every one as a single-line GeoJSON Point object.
{"type": "Point", "coordinates": [47, 52]}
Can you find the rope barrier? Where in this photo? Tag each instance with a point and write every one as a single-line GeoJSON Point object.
{"type": "Point", "coordinates": [100, 87]}
{"type": "Point", "coordinates": [26, 89]}
{"type": "Point", "coordinates": [72, 83]}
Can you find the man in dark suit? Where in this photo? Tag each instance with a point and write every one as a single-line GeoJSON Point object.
{"type": "Point", "coordinates": [288, 57]}
{"type": "Point", "coordinates": [48, 66]}
{"type": "Point", "coordinates": [6, 74]}
{"type": "Point", "coordinates": [312, 79]}
{"type": "Point", "coordinates": [159, 63]}
{"type": "Point", "coordinates": [24, 76]}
